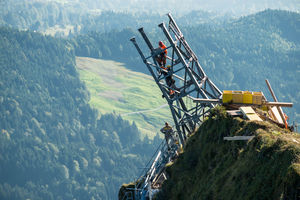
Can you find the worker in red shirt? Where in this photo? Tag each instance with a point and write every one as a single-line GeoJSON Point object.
{"type": "Point", "coordinates": [161, 59]}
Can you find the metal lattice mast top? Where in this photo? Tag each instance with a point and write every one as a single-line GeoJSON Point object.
{"type": "Point", "coordinates": [190, 80]}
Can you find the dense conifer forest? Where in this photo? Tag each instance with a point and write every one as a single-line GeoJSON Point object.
{"type": "Point", "coordinates": [53, 145]}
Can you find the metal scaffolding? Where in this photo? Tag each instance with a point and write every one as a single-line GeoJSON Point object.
{"type": "Point", "coordinates": [193, 93]}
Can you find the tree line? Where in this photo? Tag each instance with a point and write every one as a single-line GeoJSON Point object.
{"type": "Point", "coordinates": [53, 145]}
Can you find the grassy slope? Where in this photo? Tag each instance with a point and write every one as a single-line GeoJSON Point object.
{"type": "Point", "coordinates": [267, 167]}
{"type": "Point", "coordinates": [114, 88]}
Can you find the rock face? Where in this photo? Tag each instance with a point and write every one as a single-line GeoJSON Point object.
{"type": "Point", "coordinates": [265, 167]}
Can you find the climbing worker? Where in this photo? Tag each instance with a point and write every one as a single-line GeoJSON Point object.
{"type": "Point", "coordinates": [171, 83]}
{"type": "Point", "coordinates": [168, 132]}
{"type": "Point", "coordinates": [162, 58]}
{"type": "Point", "coordinates": [169, 79]}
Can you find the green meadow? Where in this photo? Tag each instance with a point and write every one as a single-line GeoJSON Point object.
{"type": "Point", "coordinates": [133, 95]}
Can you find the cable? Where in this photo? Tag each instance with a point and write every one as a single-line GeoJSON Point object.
{"type": "Point", "coordinates": [143, 111]}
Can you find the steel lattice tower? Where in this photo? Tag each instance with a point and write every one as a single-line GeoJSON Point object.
{"type": "Point", "coordinates": [195, 93]}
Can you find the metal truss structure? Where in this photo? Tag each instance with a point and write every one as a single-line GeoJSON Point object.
{"type": "Point", "coordinates": [193, 93]}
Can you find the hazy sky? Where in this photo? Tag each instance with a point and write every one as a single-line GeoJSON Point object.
{"type": "Point", "coordinates": [182, 6]}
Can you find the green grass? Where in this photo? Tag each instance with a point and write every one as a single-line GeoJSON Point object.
{"type": "Point", "coordinates": [266, 167]}
{"type": "Point", "coordinates": [114, 88]}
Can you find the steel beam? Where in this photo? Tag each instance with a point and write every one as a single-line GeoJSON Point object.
{"type": "Point", "coordinates": [192, 80]}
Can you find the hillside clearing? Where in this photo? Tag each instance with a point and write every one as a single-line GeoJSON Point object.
{"type": "Point", "coordinates": [113, 88]}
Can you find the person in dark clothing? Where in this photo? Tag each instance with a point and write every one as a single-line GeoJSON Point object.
{"type": "Point", "coordinates": [162, 58]}
{"type": "Point", "coordinates": [168, 132]}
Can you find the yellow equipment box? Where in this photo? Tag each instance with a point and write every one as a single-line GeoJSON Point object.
{"type": "Point", "coordinates": [244, 97]}
{"type": "Point", "coordinates": [237, 96]}
{"type": "Point", "coordinates": [227, 96]}
{"type": "Point", "coordinates": [257, 98]}
{"type": "Point", "coordinates": [247, 97]}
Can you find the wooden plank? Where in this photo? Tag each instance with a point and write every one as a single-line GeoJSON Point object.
{"type": "Point", "coordinates": [281, 104]}
{"type": "Point", "coordinates": [276, 115]}
{"type": "Point", "coordinates": [275, 99]}
{"type": "Point", "coordinates": [197, 100]}
{"type": "Point", "coordinates": [249, 113]}
{"type": "Point", "coordinates": [239, 138]}
{"type": "Point", "coordinates": [271, 114]}
{"type": "Point", "coordinates": [247, 110]}
{"type": "Point", "coordinates": [234, 113]}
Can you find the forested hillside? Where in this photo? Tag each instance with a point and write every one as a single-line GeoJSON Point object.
{"type": "Point", "coordinates": [242, 54]}
{"type": "Point", "coordinates": [151, 6]}
{"type": "Point", "coordinates": [64, 18]}
{"type": "Point", "coordinates": [52, 144]}
{"type": "Point", "coordinates": [73, 18]}
{"type": "Point", "coordinates": [237, 55]}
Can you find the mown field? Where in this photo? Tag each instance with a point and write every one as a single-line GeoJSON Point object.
{"type": "Point", "coordinates": [133, 95]}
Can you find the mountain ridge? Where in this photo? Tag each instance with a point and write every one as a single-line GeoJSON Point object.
{"type": "Point", "coordinates": [265, 167]}
{"type": "Point", "coordinates": [54, 142]}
